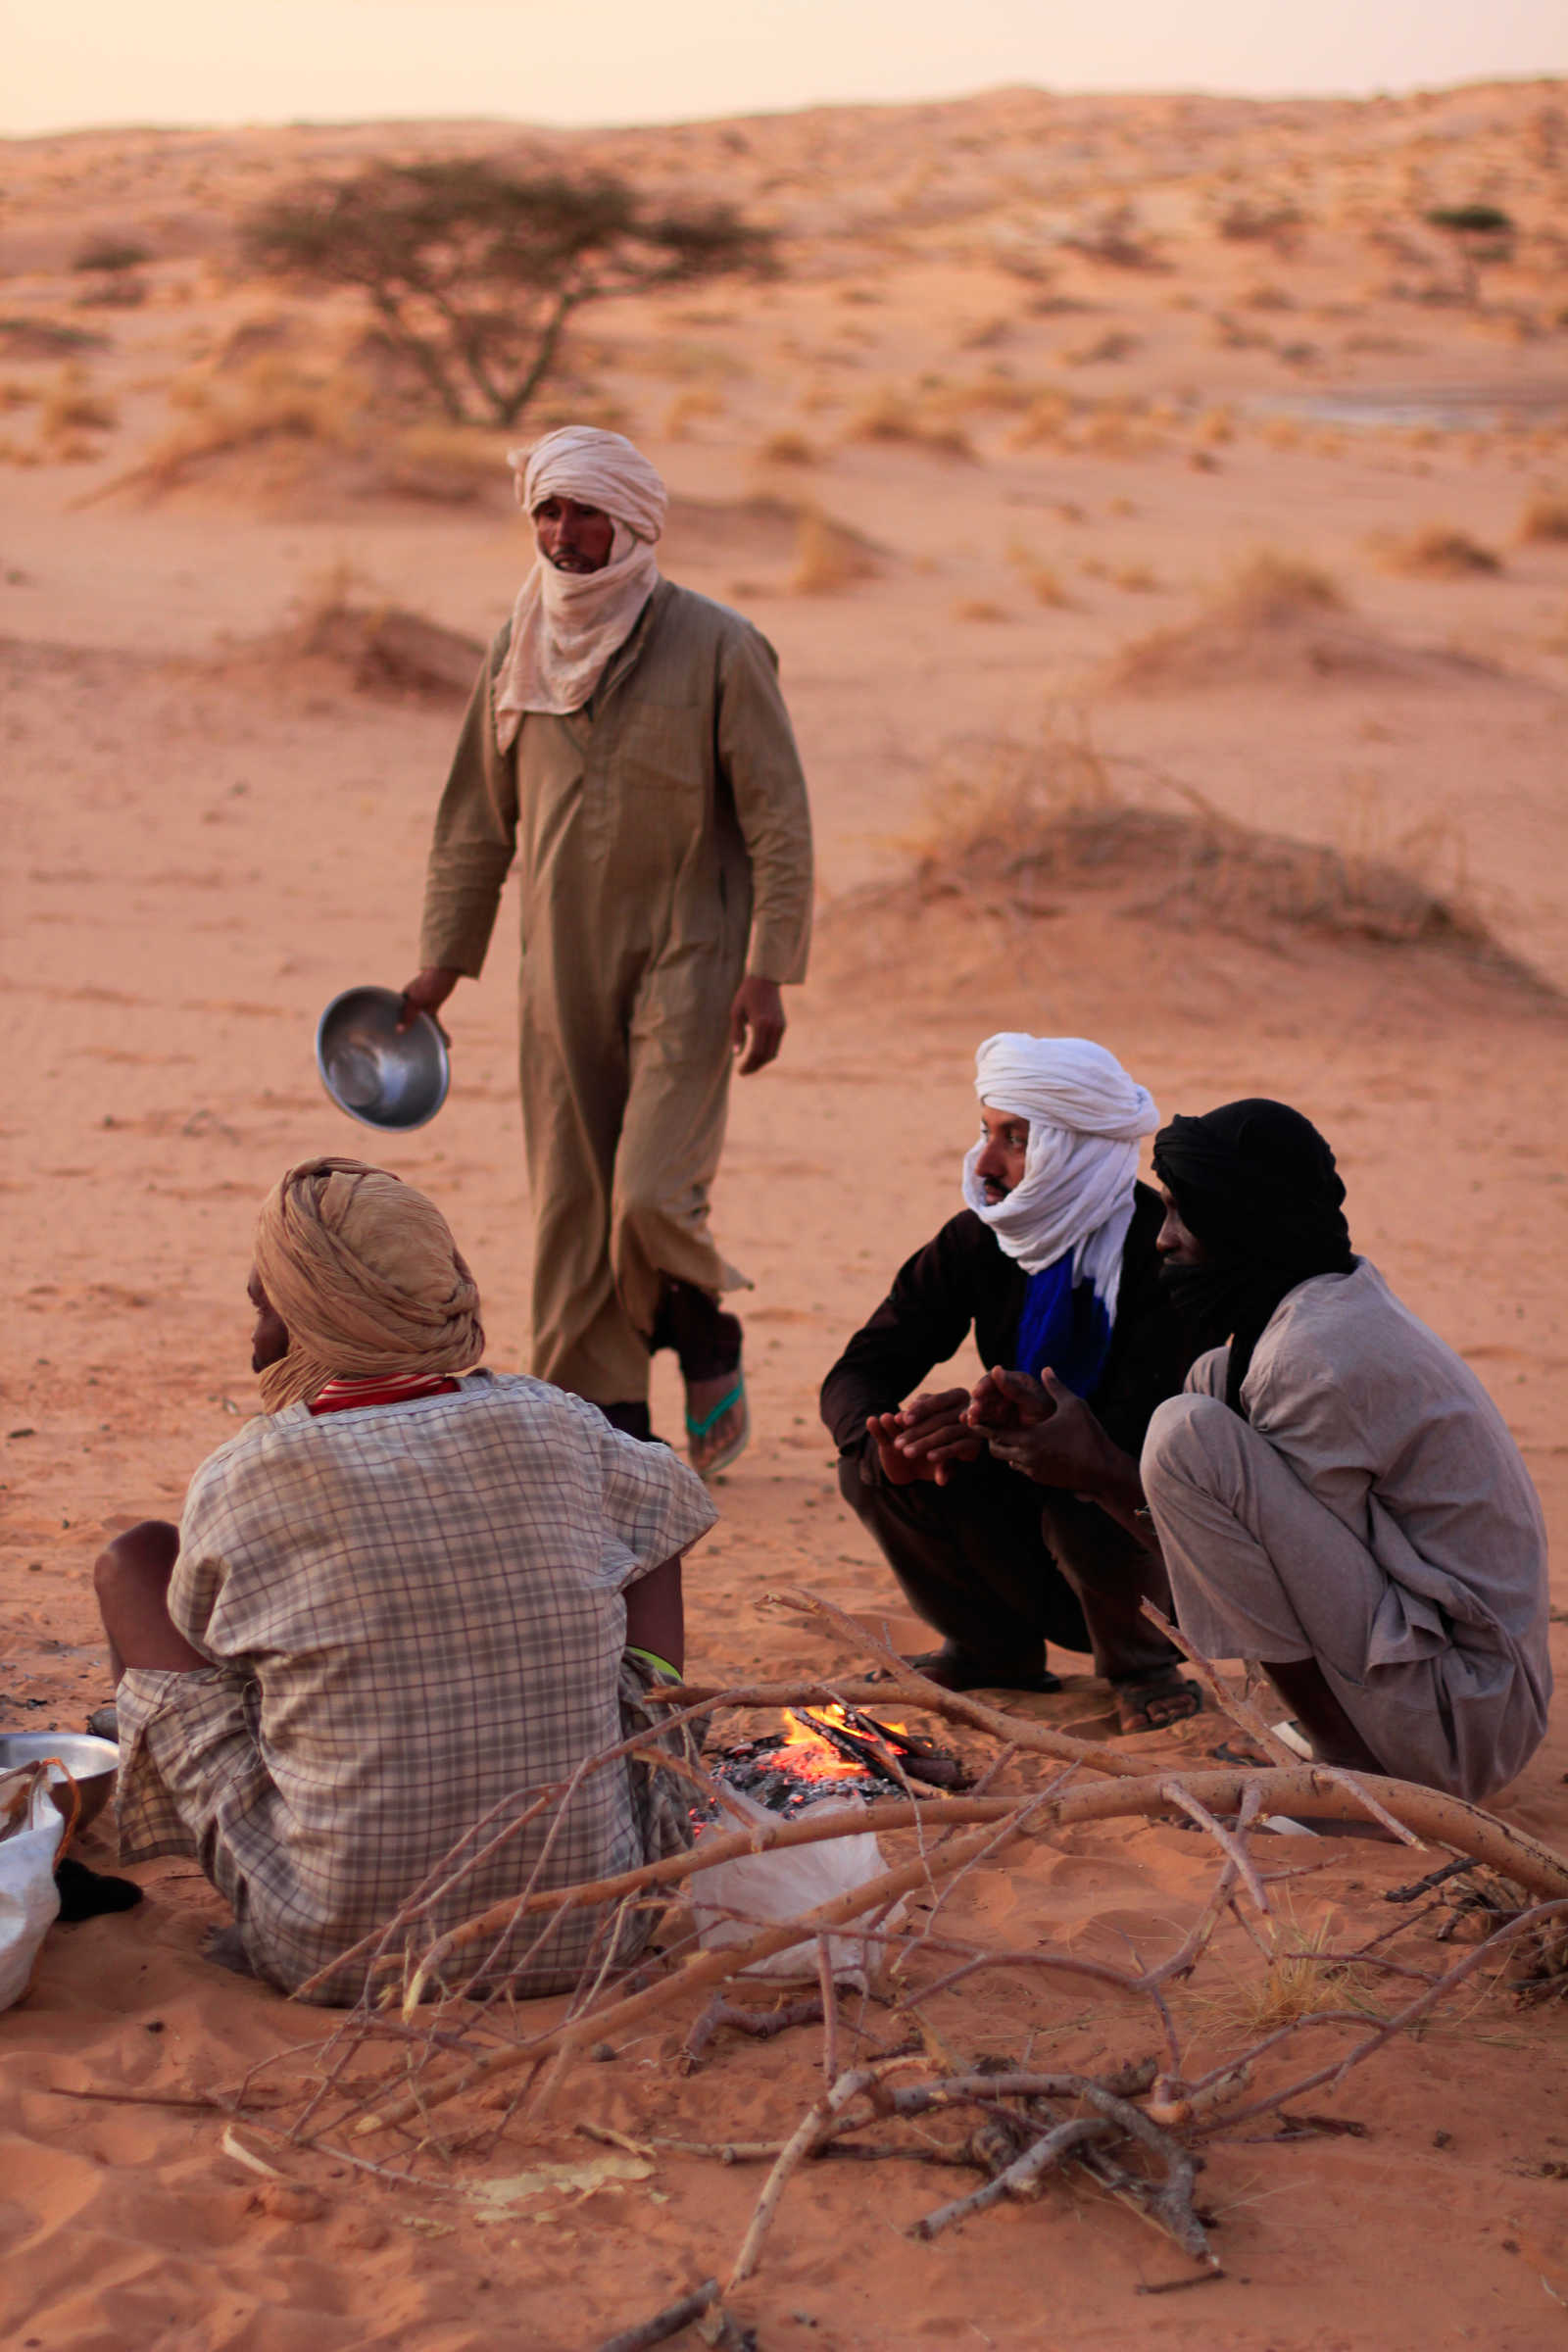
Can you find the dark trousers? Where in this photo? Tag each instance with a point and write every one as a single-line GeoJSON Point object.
{"type": "Point", "coordinates": [1001, 1567]}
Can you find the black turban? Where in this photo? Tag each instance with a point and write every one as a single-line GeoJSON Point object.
{"type": "Point", "coordinates": [1255, 1183]}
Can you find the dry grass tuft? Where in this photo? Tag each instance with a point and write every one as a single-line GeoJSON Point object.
{"type": "Point", "coordinates": [894, 419]}
{"type": "Point", "coordinates": [72, 405]}
{"type": "Point", "coordinates": [979, 608]}
{"type": "Point", "coordinates": [685, 409]}
{"type": "Point", "coordinates": [1269, 587]}
{"type": "Point", "coordinates": [787, 449]}
{"type": "Point", "coordinates": [1297, 1982]}
{"type": "Point", "coordinates": [828, 556]}
{"type": "Point", "coordinates": [1051, 822]}
{"type": "Point", "coordinates": [1544, 518]}
{"type": "Point", "coordinates": [384, 649]}
{"type": "Point", "coordinates": [269, 401]}
{"type": "Point", "coordinates": [1042, 582]}
{"type": "Point", "coordinates": [1438, 552]}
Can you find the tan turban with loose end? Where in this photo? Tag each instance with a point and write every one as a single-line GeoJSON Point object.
{"type": "Point", "coordinates": [364, 1273]}
{"type": "Point", "coordinates": [565, 625]}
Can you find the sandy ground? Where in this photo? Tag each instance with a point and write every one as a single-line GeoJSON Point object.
{"type": "Point", "coordinates": [207, 835]}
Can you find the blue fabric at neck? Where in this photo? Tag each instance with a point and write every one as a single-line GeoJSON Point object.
{"type": "Point", "coordinates": [1064, 1325]}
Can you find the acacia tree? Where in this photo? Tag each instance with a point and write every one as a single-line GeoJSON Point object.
{"type": "Point", "coordinates": [473, 270]}
{"type": "Point", "coordinates": [1482, 232]}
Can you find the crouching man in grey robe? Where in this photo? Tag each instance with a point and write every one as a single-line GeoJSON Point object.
{"type": "Point", "coordinates": [1334, 1493]}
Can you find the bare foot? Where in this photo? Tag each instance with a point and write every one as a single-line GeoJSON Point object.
{"type": "Point", "coordinates": [1155, 1706]}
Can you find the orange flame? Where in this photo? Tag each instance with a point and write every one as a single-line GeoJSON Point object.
{"type": "Point", "coordinates": [815, 1758]}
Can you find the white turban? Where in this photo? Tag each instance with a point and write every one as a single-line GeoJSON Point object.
{"type": "Point", "coordinates": [1085, 1118]}
{"type": "Point", "coordinates": [565, 625]}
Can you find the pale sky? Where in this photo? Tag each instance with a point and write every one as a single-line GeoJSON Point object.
{"type": "Point", "coordinates": [73, 62]}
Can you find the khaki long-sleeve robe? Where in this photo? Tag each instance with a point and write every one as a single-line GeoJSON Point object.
{"type": "Point", "coordinates": [663, 844]}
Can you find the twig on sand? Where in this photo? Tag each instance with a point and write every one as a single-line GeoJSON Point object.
{"type": "Point", "coordinates": [812, 2127]}
{"type": "Point", "coordinates": [1219, 1692]}
{"type": "Point", "coordinates": [666, 2323]}
{"type": "Point", "coordinates": [760, 2025]}
{"type": "Point", "coordinates": [1177, 2286]}
{"type": "Point", "coordinates": [1021, 2176]}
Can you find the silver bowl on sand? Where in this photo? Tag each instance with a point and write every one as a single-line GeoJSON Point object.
{"type": "Point", "coordinates": [76, 1756]}
{"type": "Point", "coordinates": [378, 1076]}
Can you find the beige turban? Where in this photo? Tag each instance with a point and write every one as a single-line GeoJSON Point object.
{"type": "Point", "coordinates": [565, 625]}
{"type": "Point", "coordinates": [364, 1273]}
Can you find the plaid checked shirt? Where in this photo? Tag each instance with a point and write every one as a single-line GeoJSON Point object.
{"type": "Point", "coordinates": [412, 1611]}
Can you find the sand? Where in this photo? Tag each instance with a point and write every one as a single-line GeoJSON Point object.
{"type": "Point", "coordinates": [209, 833]}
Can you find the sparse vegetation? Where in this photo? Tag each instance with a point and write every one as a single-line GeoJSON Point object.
{"type": "Point", "coordinates": [1544, 520]}
{"type": "Point", "coordinates": [473, 272]}
{"type": "Point", "coordinates": [891, 417]}
{"type": "Point", "coordinates": [72, 405]}
{"type": "Point", "coordinates": [1482, 233]}
{"type": "Point", "coordinates": [1052, 821]}
{"type": "Point", "coordinates": [1043, 583]}
{"type": "Point", "coordinates": [828, 556]}
{"type": "Point", "coordinates": [1438, 552]}
{"type": "Point", "coordinates": [110, 254]}
{"type": "Point", "coordinates": [787, 449]}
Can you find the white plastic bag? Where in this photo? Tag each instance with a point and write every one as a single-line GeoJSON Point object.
{"type": "Point", "coordinates": [783, 1883]}
{"type": "Point", "coordinates": [30, 1831]}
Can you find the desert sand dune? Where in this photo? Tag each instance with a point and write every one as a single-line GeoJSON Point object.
{"type": "Point", "coordinates": [1038, 375]}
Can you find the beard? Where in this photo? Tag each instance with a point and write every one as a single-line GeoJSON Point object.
{"type": "Point", "coordinates": [1210, 1299]}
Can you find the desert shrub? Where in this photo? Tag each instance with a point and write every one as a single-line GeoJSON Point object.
{"type": "Point", "coordinates": [1545, 518]}
{"type": "Point", "coordinates": [1267, 586]}
{"type": "Point", "coordinates": [892, 419]}
{"type": "Point", "coordinates": [787, 449]}
{"type": "Point", "coordinates": [271, 400]}
{"type": "Point", "coordinates": [1246, 222]}
{"type": "Point", "coordinates": [72, 405]}
{"type": "Point", "coordinates": [110, 253]}
{"type": "Point", "coordinates": [979, 608]}
{"type": "Point", "coordinates": [1100, 350]}
{"type": "Point", "coordinates": [1438, 552]}
{"type": "Point", "coordinates": [685, 409]}
{"type": "Point", "coordinates": [828, 556]}
{"type": "Point", "coordinates": [1052, 820]}
{"type": "Point", "coordinates": [1042, 582]}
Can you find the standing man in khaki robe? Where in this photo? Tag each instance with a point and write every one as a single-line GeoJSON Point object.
{"type": "Point", "coordinates": [628, 744]}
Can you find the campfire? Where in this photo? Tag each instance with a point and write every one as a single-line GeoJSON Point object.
{"type": "Point", "coordinates": [827, 1750]}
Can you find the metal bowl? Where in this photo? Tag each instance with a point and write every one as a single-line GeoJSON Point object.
{"type": "Point", "coordinates": [379, 1077]}
{"type": "Point", "coordinates": [91, 1763]}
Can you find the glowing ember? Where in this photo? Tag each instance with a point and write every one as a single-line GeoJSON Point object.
{"type": "Point", "coordinates": [833, 1749]}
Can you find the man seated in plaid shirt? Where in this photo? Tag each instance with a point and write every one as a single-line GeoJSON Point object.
{"type": "Point", "coordinates": [403, 1594]}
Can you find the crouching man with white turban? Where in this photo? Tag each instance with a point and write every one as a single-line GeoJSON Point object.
{"type": "Point", "coordinates": [406, 1591]}
{"type": "Point", "coordinates": [628, 742]}
{"type": "Point", "coordinates": [1052, 1265]}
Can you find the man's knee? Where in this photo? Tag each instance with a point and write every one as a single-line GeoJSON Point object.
{"type": "Point", "coordinates": [135, 1556]}
{"type": "Point", "coordinates": [1188, 1437]}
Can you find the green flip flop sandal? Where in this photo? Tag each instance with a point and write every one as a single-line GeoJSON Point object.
{"type": "Point", "coordinates": [710, 1465]}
